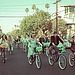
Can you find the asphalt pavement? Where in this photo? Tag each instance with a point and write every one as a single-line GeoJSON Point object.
{"type": "Point", "coordinates": [17, 64]}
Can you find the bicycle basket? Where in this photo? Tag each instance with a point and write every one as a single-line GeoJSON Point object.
{"type": "Point", "coordinates": [38, 49]}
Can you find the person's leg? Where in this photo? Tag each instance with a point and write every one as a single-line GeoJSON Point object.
{"type": "Point", "coordinates": [8, 48]}
{"type": "Point", "coordinates": [0, 50]}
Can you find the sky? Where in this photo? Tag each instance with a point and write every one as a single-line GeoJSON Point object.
{"type": "Point", "coordinates": [16, 10]}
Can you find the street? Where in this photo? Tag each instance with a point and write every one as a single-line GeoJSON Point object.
{"type": "Point", "coordinates": [17, 64]}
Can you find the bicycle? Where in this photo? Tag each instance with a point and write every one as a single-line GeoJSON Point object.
{"type": "Point", "coordinates": [71, 59]}
{"type": "Point", "coordinates": [36, 57]}
{"type": "Point", "coordinates": [57, 56]}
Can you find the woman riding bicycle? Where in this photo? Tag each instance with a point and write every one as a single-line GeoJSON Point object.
{"type": "Point", "coordinates": [3, 40]}
{"type": "Point", "coordinates": [3, 43]}
{"type": "Point", "coordinates": [31, 46]}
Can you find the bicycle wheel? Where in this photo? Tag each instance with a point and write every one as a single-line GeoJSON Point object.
{"type": "Point", "coordinates": [25, 48]}
{"type": "Point", "coordinates": [47, 51]}
{"type": "Point", "coordinates": [71, 61]}
{"type": "Point", "coordinates": [51, 60]}
{"type": "Point", "coordinates": [3, 56]}
{"type": "Point", "coordinates": [62, 62]}
{"type": "Point", "coordinates": [38, 62]}
{"type": "Point", "coordinates": [30, 61]}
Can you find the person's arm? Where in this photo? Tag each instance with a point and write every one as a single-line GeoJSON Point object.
{"type": "Point", "coordinates": [60, 40]}
{"type": "Point", "coordinates": [38, 43]}
{"type": "Point", "coordinates": [52, 41]}
{"type": "Point", "coordinates": [0, 41]}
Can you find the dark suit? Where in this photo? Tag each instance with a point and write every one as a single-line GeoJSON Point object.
{"type": "Point", "coordinates": [56, 40]}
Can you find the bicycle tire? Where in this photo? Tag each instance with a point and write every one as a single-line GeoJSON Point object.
{"type": "Point", "coordinates": [62, 62]}
{"type": "Point", "coordinates": [38, 62]}
{"type": "Point", "coordinates": [71, 62]}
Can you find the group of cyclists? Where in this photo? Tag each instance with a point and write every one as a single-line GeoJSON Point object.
{"type": "Point", "coordinates": [30, 42]}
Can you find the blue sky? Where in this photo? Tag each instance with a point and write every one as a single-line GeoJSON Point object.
{"type": "Point", "coordinates": [17, 8]}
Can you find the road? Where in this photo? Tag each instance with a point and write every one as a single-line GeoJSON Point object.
{"type": "Point", "coordinates": [17, 64]}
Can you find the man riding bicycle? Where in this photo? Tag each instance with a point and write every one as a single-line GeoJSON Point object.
{"type": "Point", "coordinates": [55, 40]}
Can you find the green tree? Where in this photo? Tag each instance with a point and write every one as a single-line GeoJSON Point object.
{"type": "Point", "coordinates": [34, 23]}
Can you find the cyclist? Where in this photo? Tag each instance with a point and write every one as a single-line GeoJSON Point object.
{"type": "Point", "coordinates": [43, 40]}
{"type": "Point", "coordinates": [3, 43]}
{"type": "Point", "coordinates": [73, 45]}
{"type": "Point", "coordinates": [18, 41]}
{"type": "Point", "coordinates": [3, 40]}
{"type": "Point", "coordinates": [55, 40]}
{"type": "Point", "coordinates": [24, 43]}
{"type": "Point", "coordinates": [31, 46]}
{"type": "Point", "coordinates": [10, 42]}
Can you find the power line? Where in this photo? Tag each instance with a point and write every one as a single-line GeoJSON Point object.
{"type": "Point", "coordinates": [15, 11]}
{"type": "Point", "coordinates": [12, 16]}
{"type": "Point", "coordinates": [24, 5]}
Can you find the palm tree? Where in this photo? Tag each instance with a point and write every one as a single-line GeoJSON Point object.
{"type": "Point", "coordinates": [33, 7]}
{"type": "Point", "coordinates": [27, 10]}
{"type": "Point", "coordinates": [37, 9]}
{"type": "Point", "coordinates": [47, 6]}
{"type": "Point", "coordinates": [15, 26]}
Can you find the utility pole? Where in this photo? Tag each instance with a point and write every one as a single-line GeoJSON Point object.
{"type": "Point", "coordinates": [57, 14]}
